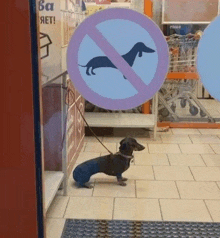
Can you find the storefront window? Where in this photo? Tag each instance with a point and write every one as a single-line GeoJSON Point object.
{"type": "Point", "coordinates": [182, 101]}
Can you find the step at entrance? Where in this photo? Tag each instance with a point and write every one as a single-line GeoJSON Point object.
{"type": "Point", "coordinates": [121, 120]}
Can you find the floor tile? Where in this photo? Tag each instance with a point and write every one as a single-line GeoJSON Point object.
{"type": "Point", "coordinates": [196, 149]}
{"type": "Point", "coordinates": [206, 173]}
{"type": "Point", "coordinates": [89, 208]}
{"type": "Point", "coordinates": [216, 148]}
{"type": "Point", "coordinates": [156, 189]}
{"type": "Point", "coordinates": [151, 140]}
{"type": "Point", "coordinates": [160, 133]}
{"type": "Point", "coordinates": [112, 139]}
{"type": "Point", "coordinates": [84, 156]}
{"type": "Point", "coordinates": [164, 148]}
{"type": "Point", "coordinates": [117, 146]}
{"type": "Point", "coordinates": [185, 160]}
{"type": "Point", "coordinates": [172, 173]}
{"type": "Point", "coordinates": [184, 210]}
{"type": "Point", "coordinates": [214, 209]}
{"type": "Point", "coordinates": [83, 147]}
{"type": "Point", "coordinates": [136, 209]}
{"type": "Point", "coordinates": [198, 190]}
{"type": "Point", "coordinates": [139, 172]}
{"type": "Point", "coordinates": [211, 160]}
{"type": "Point", "coordinates": [204, 139]}
{"type": "Point", "coordinates": [151, 159]}
{"type": "Point", "coordinates": [58, 207]}
{"type": "Point", "coordinates": [97, 147]}
{"type": "Point", "coordinates": [210, 131]}
{"type": "Point", "coordinates": [186, 131]}
{"type": "Point", "coordinates": [106, 188]}
{"type": "Point", "coordinates": [54, 227]}
{"type": "Point", "coordinates": [174, 139]}
{"type": "Point", "coordinates": [92, 139]}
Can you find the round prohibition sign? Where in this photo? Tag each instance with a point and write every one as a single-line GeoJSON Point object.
{"type": "Point", "coordinates": [117, 59]}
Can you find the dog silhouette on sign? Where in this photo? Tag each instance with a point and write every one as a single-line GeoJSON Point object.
{"type": "Point", "coordinates": [105, 62]}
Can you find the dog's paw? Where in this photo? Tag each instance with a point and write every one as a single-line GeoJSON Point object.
{"type": "Point", "coordinates": [124, 179]}
{"type": "Point", "coordinates": [122, 183]}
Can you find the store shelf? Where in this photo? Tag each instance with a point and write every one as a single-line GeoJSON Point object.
{"type": "Point", "coordinates": [53, 180]}
{"type": "Point", "coordinates": [122, 120]}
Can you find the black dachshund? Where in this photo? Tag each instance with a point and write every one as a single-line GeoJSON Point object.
{"type": "Point", "coordinates": [104, 62]}
{"type": "Point", "coordinates": [113, 165]}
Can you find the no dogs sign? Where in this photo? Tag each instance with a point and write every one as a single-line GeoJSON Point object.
{"type": "Point", "coordinates": [117, 59]}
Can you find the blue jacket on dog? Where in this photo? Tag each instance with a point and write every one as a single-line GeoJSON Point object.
{"type": "Point", "coordinates": [84, 171]}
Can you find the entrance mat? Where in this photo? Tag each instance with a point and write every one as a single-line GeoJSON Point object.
{"type": "Point", "coordinates": [132, 229]}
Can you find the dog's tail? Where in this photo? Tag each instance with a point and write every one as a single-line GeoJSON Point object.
{"type": "Point", "coordinates": [82, 65]}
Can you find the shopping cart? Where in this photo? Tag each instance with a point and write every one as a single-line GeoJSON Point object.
{"type": "Point", "coordinates": [177, 98]}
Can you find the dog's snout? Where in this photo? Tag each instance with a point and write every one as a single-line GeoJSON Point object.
{"type": "Point", "coordinates": [140, 147]}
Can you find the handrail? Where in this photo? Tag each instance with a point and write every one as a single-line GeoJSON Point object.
{"type": "Point", "coordinates": [52, 80]}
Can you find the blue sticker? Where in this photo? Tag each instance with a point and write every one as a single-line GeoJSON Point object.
{"type": "Point", "coordinates": [208, 59]}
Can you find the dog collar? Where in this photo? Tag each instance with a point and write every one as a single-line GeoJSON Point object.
{"type": "Point", "coordinates": [126, 156]}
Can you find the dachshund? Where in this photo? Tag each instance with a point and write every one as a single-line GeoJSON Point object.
{"type": "Point", "coordinates": [112, 164]}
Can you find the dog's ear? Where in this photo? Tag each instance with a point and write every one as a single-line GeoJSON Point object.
{"type": "Point", "coordinates": [122, 141]}
{"type": "Point", "coordinates": [123, 146]}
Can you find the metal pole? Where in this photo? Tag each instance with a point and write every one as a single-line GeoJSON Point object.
{"type": "Point", "coordinates": [64, 150]}
{"type": "Point", "coordinates": [155, 109]}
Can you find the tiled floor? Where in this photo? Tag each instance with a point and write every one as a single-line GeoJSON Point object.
{"type": "Point", "coordinates": [177, 178]}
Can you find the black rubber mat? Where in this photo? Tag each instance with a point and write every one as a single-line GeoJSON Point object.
{"type": "Point", "coordinates": [140, 229]}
